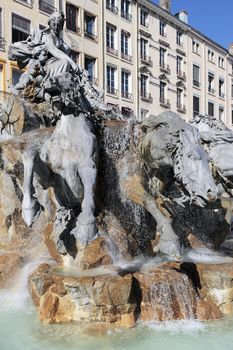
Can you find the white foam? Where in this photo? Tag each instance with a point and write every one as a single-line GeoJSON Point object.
{"type": "Point", "coordinates": [181, 326]}
{"type": "Point", "coordinates": [17, 297]}
{"type": "Point", "coordinates": [206, 256]}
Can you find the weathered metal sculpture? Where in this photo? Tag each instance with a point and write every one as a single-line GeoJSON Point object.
{"type": "Point", "coordinates": [53, 76]}
{"type": "Point", "coordinates": [175, 154]}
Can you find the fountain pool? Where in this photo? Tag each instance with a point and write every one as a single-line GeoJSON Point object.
{"type": "Point", "coordinates": [20, 329]}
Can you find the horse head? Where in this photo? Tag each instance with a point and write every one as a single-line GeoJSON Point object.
{"type": "Point", "coordinates": [192, 169]}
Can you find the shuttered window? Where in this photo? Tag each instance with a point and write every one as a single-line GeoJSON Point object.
{"type": "Point", "coordinates": [196, 75]}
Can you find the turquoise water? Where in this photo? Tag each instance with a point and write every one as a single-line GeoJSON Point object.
{"type": "Point", "coordinates": [21, 330]}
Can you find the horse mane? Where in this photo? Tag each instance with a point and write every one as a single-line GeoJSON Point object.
{"type": "Point", "coordinates": [212, 122]}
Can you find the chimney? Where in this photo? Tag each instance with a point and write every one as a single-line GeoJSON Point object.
{"type": "Point", "coordinates": [165, 4]}
{"type": "Point", "coordinates": [183, 16]}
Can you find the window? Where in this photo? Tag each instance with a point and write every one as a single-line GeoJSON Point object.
{"type": "Point", "coordinates": [221, 113]}
{"type": "Point", "coordinates": [179, 97]}
{"type": "Point", "coordinates": [111, 81]}
{"type": "Point", "coordinates": [210, 109]}
{"type": "Point", "coordinates": [75, 56]}
{"type": "Point", "coordinates": [47, 6]}
{"type": "Point", "coordinates": [211, 83]}
{"type": "Point", "coordinates": [144, 114]}
{"type": "Point", "coordinates": [232, 116]}
{"type": "Point", "coordinates": [162, 28]}
{"type": "Point", "coordinates": [210, 55]}
{"type": "Point", "coordinates": [143, 85]}
{"type": "Point", "coordinates": [125, 10]}
{"type": "Point", "coordinates": [221, 62]}
{"type": "Point", "coordinates": [20, 28]}
{"type": "Point", "coordinates": [16, 74]}
{"type": "Point", "coordinates": [221, 87]}
{"type": "Point", "coordinates": [231, 90]}
{"type": "Point", "coordinates": [179, 64]}
{"type": "Point", "coordinates": [125, 84]}
{"type": "Point", "coordinates": [143, 48]}
{"type": "Point", "coordinates": [179, 38]}
{"type": "Point", "coordinates": [89, 64]}
{"type": "Point", "coordinates": [111, 6]}
{"type": "Point", "coordinates": [111, 39]}
{"type": "Point", "coordinates": [196, 46]}
{"type": "Point", "coordinates": [125, 46]}
{"type": "Point", "coordinates": [196, 105]}
{"type": "Point", "coordinates": [162, 54]}
{"type": "Point", "coordinates": [196, 75]}
{"type": "Point", "coordinates": [144, 18]}
{"type": "Point", "coordinates": [162, 91]}
{"type": "Point", "coordinates": [89, 26]}
{"type": "Point", "coordinates": [72, 18]}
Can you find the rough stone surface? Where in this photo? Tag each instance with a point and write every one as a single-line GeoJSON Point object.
{"type": "Point", "coordinates": [172, 291]}
{"type": "Point", "coordinates": [94, 254]}
{"type": "Point", "coordinates": [98, 299]}
{"type": "Point", "coordinates": [10, 264]}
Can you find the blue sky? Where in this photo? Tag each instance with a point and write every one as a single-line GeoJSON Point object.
{"type": "Point", "coordinates": [213, 18]}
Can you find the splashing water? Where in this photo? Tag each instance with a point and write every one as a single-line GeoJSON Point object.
{"type": "Point", "coordinates": [17, 297]}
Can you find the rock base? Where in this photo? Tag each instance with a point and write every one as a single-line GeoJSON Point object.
{"type": "Point", "coordinates": [172, 291]}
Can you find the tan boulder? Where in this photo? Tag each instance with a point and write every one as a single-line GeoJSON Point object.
{"type": "Point", "coordinates": [94, 254]}
{"type": "Point", "coordinates": [10, 264]}
{"type": "Point", "coordinates": [99, 299]}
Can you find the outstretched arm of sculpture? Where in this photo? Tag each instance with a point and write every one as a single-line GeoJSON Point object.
{"type": "Point", "coordinates": [169, 242]}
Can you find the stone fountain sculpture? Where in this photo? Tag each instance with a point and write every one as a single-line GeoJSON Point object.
{"type": "Point", "coordinates": [115, 185]}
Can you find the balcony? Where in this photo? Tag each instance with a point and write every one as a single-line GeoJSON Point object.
{"type": "Point", "coordinates": [111, 90]}
{"type": "Point", "coordinates": [181, 75]}
{"type": "Point", "coordinates": [145, 96]}
{"type": "Point", "coordinates": [211, 91]}
{"type": "Point", "coordinates": [112, 8]}
{"type": "Point", "coordinates": [146, 59]}
{"type": "Point", "coordinates": [181, 108]}
{"type": "Point", "coordinates": [112, 51]}
{"type": "Point", "coordinates": [163, 34]}
{"type": "Point", "coordinates": [126, 15]}
{"type": "Point", "coordinates": [164, 102]}
{"type": "Point", "coordinates": [45, 7]}
{"type": "Point", "coordinates": [196, 83]}
{"type": "Point", "coordinates": [126, 57]}
{"type": "Point", "coordinates": [221, 94]}
{"type": "Point", "coordinates": [164, 67]}
{"type": "Point", "coordinates": [2, 44]}
{"type": "Point", "coordinates": [127, 95]}
{"type": "Point", "coordinates": [90, 35]}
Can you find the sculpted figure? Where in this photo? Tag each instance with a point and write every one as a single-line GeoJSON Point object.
{"type": "Point", "coordinates": [174, 161]}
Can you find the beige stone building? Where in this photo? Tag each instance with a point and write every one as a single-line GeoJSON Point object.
{"type": "Point", "coordinates": [146, 59]}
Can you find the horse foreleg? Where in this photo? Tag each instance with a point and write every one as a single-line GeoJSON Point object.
{"type": "Point", "coordinates": [86, 220]}
{"type": "Point", "coordinates": [30, 206]}
{"type": "Point", "coordinates": [169, 242]}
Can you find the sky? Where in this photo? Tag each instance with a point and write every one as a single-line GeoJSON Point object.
{"type": "Point", "coordinates": [214, 18]}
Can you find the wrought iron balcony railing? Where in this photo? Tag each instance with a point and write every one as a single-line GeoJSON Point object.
{"type": "Point", "coordinates": [126, 94]}
{"type": "Point", "coordinates": [112, 50]}
{"type": "Point", "coordinates": [126, 57]}
{"type": "Point", "coordinates": [112, 8]}
{"type": "Point", "coordinates": [111, 90]}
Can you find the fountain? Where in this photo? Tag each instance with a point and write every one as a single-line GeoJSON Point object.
{"type": "Point", "coordinates": [119, 222]}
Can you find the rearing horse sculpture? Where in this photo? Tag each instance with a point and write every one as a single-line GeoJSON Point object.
{"type": "Point", "coordinates": [173, 156]}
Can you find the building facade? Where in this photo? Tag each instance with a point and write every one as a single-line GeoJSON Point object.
{"type": "Point", "coordinates": [144, 58]}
